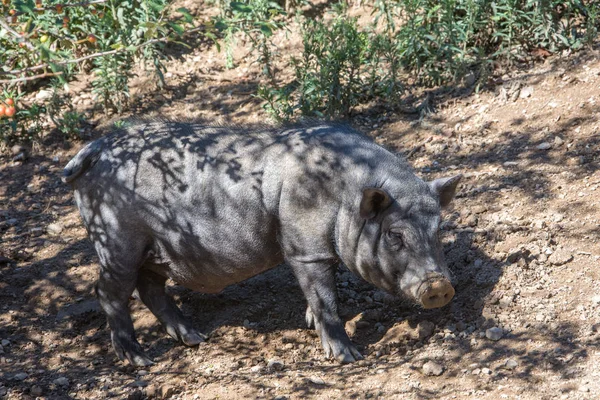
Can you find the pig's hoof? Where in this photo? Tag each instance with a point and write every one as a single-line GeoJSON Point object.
{"type": "Point", "coordinates": [348, 355]}
{"type": "Point", "coordinates": [140, 360]}
{"type": "Point", "coordinates": [132, 351]}
{"type": "Point", "coordinates": [193, 339]}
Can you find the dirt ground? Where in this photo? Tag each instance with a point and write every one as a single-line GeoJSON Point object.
{"type": "Point", "coordinates": [521, 241]}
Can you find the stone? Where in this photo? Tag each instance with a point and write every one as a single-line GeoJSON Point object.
{"type": "Point", "coordinates": [494, 333]}
{"type": "Point", "coordinates": [20, 376]}
{"type": "Point", "coordinates": [62, 381]}
{"type": "Point", "coordinates": [5, 342]}
{"type": "Point", "coordinates": [317, 381]}
{"type": "Point", "coordinates": [544, 146]}
{"type": "Point", "coordinates": [526, 92]}
{"type": "Point", "coordinates": [431, 368]}
{"type": "Point", "coordinates": [135, 395]}
{"type": "Point", "coordinates": [560, 256]}
{"type": "Point", "coordinates": [275, 365]}
{"type": "Point", "coordinates": [54, 229]}
{"type": "Point", "coordinates": [43, 94]}
{"type": "Point", "coordinates": [36, 390]}
{"type": "Point", "coordinates": [511, 364]}
{"type": "Point", "coordinates": [166, 391]}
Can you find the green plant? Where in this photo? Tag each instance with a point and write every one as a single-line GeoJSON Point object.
{"type": "Point", "coordinates": [256, 20]}
{"type": "Point", "coordinates": [340, 67]}
{"type": "Point", "coordinates": [47, 38]}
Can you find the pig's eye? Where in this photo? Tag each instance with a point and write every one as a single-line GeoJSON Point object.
{"type": "Point", "coordinates": [395, 238]}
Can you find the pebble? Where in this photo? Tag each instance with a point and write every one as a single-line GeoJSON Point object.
{"type": "Point", "coordinates": [54, 229]}
{"type": "Point", "coordinates": [431, 368]}
{"type": "Point", "coordinates": [166, 391]}
{"type": "Point", "coordinates": [5, 342]}
{"type": "Point", "coordinates": [596, 300]}
{"type": "Point", "coordinates": [275, 365]}
{"type": "Point", "coordinates": [544, 146]}
{"type": "Point", "coordinates": [560, 256]}
{"type": "Point", "coordinates": [316, 380]}
{"type": "Point", "coordinates": [20, 376]}
{"type": "Point", "coordinates": [62, 381]}
{"type": "Point", "coordinates": [494, 333]}
{"type": "Point", "coordinates": [36, 390]}
{"type": "Point", "coordinates": [511, 364]}
{"type": "Point", "coordinates": [486, 371]}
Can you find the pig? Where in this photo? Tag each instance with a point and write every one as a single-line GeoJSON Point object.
{"type": "Point", "coordinates": [210, 206]}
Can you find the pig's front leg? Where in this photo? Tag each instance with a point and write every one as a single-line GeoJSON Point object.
{"type": "Point", "coordinates": [317, 280]}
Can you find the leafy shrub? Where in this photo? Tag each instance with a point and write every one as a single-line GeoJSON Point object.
{"type": "Point", "coordinates": [440, 41]}
{"type": "Point", "coordinates": [45, 38]}
{"type": "Point", "coordinates": [340, 67]}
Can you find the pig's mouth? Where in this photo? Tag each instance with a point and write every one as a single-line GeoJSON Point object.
{"type": "Point", "coordinates": [435, 292]}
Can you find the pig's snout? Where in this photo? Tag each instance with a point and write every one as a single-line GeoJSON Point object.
{"type": "Point", "coordinates": [436, 293]}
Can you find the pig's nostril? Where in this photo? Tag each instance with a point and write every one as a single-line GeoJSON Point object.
{"type": "Point", "coordinates": [437, 294]}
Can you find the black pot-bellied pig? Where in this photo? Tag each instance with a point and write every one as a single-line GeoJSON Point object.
{"type": "Point", "coordinates": [212, 206]}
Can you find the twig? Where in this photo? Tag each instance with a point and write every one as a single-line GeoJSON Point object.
{"type": "Point", "coordinates": [20, 38]}
{"type": "Point", "coordinates": [32, 78]}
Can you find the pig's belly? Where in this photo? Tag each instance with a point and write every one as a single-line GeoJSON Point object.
{"type": "Point", "coordinates": [210, 268]}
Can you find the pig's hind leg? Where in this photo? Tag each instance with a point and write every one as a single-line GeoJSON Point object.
{"type": "Point", "coordinates": [117, 280]}
{"type": "Point", "coordinates": [151, 289]}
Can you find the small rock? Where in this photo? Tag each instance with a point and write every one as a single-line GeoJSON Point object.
{"type": "Point", "coordinates": [544, 146]}
{"type": "Point", "coordinates": [54, 229]}
{"type": "Point", "coordinates": [431, 368]}
{"type": "Point", "coordinates": [526, 92]}
{"type": "Point", "coordinates": [494, 333]}
{"type": "Point", "coordinates": [316, 380]}
{"type": "Point", "coordinates": [461, 326]}
{"type": "Point", "coordinates": [166, 391]}
{"type": "Point", "coordinates": [275, 365]}
{"type": "Point", "coordinates": [596, 300]}
{"type": "Point", "coordinates": [62, 381]}
{"type": "Point", "coordinates": [3, 391]}
{"type": "Point", "coordinates": [506, 301]}
{"type": "Point", "coordinates": [486, 371]}
{"type": "Point", "coordinates": [256, 369]}
{"type": "Point", "coordinates": [135, 395]}
{"type": "Point", "coordinates": [150, 391]}
{"type": "Point", "coordinates": [43, 95]}
{"type": "Point", "coordinates": [20, 376]}
{"type": "Point", "coordinates": [5, 342]}
{"type": "Point", "coordinates": [560, 257]}
{"type": "Point", "coordinates": [36, 390]}
{"type": "Point", "coordinates": [511, 364]}
{"type": "Point", "coordinates": [584, 389]}
{"type": "Point", "coordinates": [558, 141]}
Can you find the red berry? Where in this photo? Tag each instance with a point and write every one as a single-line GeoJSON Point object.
{"type": "Point", "coordinates": [10, 111]}
{"type": "Point", "coordinates": [10, 102]}
{"type": "Point", "coordinates": [2, 111]}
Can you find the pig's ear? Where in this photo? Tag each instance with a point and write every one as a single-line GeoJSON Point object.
{"type": "Point", "coordinates": [445, 188]}
{"type": "Point", "coordinates": [373, 201]}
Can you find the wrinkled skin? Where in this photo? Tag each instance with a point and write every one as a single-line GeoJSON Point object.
{"type": "Point", "coordinates": [210, 207]}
